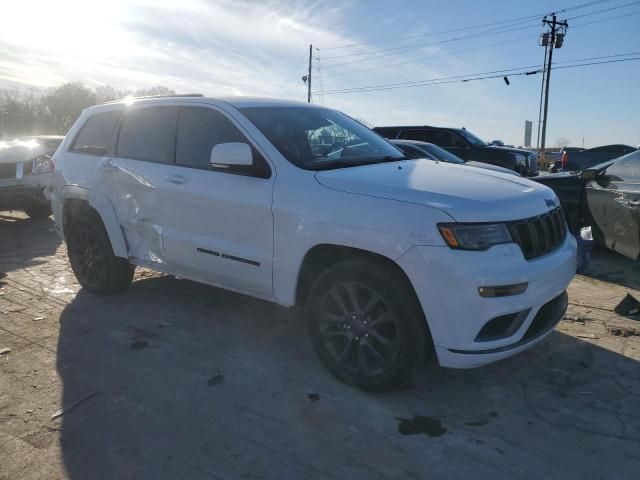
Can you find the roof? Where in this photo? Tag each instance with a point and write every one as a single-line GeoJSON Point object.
{"type": "Point", "coordinates": [236, 101]}
{"type": "Point", "coordinates": [45, 137]}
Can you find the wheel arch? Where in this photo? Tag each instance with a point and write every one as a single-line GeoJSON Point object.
{"type": "Point", "coordinates": [98, 205]}
{"type": "Point", "coordinates": [322, 256]}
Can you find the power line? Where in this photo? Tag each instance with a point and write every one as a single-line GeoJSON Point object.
{"type": "Point", "coordinates": [604, 10]}
{"type": "Point", "coordinates": [484, 75]}
{"type": "Point", "coordinates": [462, 51]}
{"type": "Point", "coordinates": [388, 65]}
{"type": "Point", "coordinates": [530, 17]}
{"type": "Point", "coordinates": [606, 19]}
{"type": "Point", "coordinates": [373, 55]}
{"type": "Point", "coordinates": [376, 54]}
{"type": "Point", "coordinates": [503, 70]}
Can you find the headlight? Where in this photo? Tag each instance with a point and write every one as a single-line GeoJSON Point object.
{"type": "Point", "coordinates": [42, 164]}
{"type": "Point", "coordinates": [474, 236]}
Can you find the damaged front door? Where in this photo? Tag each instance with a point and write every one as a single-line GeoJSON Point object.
{"type": "Point", "coordinates": [614, 204]}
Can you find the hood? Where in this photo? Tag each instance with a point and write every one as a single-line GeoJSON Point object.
{"type": "Point", "coordinates": [467, 194]}
{"type": "Point", "coordinates": [488, 166]}
{"type": "Point", "coordinates": [15, 151]}
{"type": "Point", "coordinates": [509, 150]}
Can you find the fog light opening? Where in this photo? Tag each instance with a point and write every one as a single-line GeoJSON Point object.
{"type": "Point", "coordinates": [503, 290]}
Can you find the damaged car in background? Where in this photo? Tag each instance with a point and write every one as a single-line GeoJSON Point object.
{"type": "Point", "coordinates": [605, 197]}
{"type": "Point", "coordinates": [25, 174]}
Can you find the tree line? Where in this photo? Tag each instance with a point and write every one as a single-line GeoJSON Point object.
{"type": "Point", "coordinates": [53, 111]}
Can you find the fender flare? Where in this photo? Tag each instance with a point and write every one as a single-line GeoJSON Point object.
{"type": "Point", "coordinates": [101, 204]}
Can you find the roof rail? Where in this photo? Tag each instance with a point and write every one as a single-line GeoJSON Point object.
{"type": "Point", "coordinates": [175, 95]}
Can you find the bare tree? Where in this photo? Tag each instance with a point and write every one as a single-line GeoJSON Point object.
{"type": "Point", "coordinates": [65, 104]}
{"type": "Point", "coordinates": [156, 90]}
{"type": "Point", "coordinates": [30, 112]}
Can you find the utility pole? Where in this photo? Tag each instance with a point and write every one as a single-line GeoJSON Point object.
{"type": "Point", "coordinates": [552, 39]}
{"type": "Point", "coordinates": [309, 75]}
{"type": "Point", "coordinates": [544, 76]}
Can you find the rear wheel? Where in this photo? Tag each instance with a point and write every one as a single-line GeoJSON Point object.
{"type": "Point", "coordinates": [95, 266]}
{"type": "Point", "coordinates": [38, 211]}
{"type": "Point", "coordinates": [365, 325]}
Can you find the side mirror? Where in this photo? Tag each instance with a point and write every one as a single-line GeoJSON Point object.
{"type": "Point", "coordinates": [588, 175]}
{"type": "Point", "coordinates": [231, 154]}
{"type": "Point", "coordinates": [497, 143]}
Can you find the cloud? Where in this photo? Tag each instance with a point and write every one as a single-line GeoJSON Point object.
{"type": "Point", "coordinates": [235, 47]}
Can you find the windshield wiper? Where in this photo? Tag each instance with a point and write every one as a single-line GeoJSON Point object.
{"type": "Point", "coordinates": [343, 163]}
{"type": "Point", "coordinates": [389, 158]}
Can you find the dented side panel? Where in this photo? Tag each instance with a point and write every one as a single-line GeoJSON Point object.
{"type": "Point", "coordinates": [615, 210]}
{"type": "Point", "coordinates": [132, 188]}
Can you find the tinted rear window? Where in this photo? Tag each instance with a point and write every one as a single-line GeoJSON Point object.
{"type": "Point", "coordinates": [95, 136]}
{"type": "Point", "coordinates": [148, 134]}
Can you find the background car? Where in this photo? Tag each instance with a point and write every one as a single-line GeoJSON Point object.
{"type": "Point", "coordinates": [607, 197]}
{"type": "Point", "coordinates": [417, 149]}
{"type": "Point", "coordinates": [25, 174]}
{"type": "Point", "coordinates": [467, 146]}
{"type": "Point", "coordinates": [574, 159]}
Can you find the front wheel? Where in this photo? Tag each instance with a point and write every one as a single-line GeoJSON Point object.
{"type": "Point", "coordinates": [366, 326]}
{"type": "Point", "coordinates": [95, 266]}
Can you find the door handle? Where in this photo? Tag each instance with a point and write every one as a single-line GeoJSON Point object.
{"type": "Point", "coordinates": [177, 179]}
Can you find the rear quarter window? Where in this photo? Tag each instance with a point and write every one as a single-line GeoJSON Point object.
{"type": "Point", "coordinates": [95, 135]}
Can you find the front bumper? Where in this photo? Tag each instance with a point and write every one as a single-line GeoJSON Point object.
{"type": "Point", "coordinates": [446, 282]}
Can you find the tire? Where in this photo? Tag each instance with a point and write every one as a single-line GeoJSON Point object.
{"type": "Point", "coordinates": [37, 212]}
{"type": "Point", "coordinates": [91, 256]}
{"type": "Point", "coordinates": [377, 342]}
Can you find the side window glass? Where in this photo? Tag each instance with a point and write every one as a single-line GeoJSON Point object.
{"type": "Point", "coordinates": [410, 151]}
{"type": "Point", "coordinates": [95, 135]}
{"type": "Point", "coordinates": [199, 130]}
{"type": "Point", "coordinates": [458, 141]}
{"type": "Point", "coordinates": [148, 134]}
{"type": "Point", "coordinates": [441, 138]}
{"type": "Point", "coordinates": [419, 135]}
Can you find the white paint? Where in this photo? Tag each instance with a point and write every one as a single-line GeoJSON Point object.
{"type": "Point", "coordinates": [389, 209]}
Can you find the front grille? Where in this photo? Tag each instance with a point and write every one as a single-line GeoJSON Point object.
{"type": "Point", "coordinates": [539, 235]}
{"type": "Point", "coordinates": [8, 170]}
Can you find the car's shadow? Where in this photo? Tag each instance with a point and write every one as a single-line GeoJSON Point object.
{"type": "Point", "coordinates": [25, 242]}
{"type": "Point", "coordinates": [610, 266]}
{"type": "Point", "coordinates": [196, 382]}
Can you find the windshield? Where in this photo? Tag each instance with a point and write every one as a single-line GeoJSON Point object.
{"type": "Point", "coordinates": [471, 138]}
{"type": "Point", "coordinates": [319, 138]}
{"type": "Point", "coordinates": [441, 153]}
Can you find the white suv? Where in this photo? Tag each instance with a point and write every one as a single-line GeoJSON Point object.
{"type": "Point", "coordinates": [302, 205]}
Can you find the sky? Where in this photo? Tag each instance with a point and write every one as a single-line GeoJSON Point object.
{"type": "Point", "coordinates": [261, 48]}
